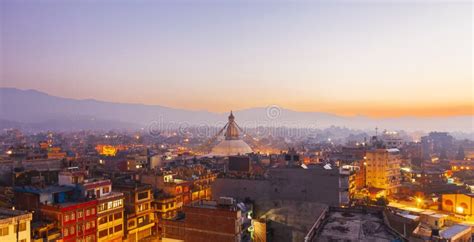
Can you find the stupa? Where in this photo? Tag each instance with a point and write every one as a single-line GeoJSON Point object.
{"type": "Point", "coordinates": [232, 144]}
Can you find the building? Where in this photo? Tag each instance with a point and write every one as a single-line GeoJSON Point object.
{"type": "Point", "coordinates": [185, 190]}
{"type": "Point", "coordinates": [206, 221]}
{"type": "Point", "coordinates": [165, 206]}
{"type": "Point", "coordinates": [110, 209]}
{"type": "Point", "coordinates": [15, 225]}
{"type": "Point", "coordinates": [382, 169]}
{"type": "Point", "coordinates": [139, 213]}
{"type": "Point", "coordinates": [438, 143]}
{"type": "Point", "coordinates": [458, 203]}
{"type": "Point", "coordinates": [232, 144]}
{"type": "Point", "coordinates": [392, 139]}
{"type": "Point", "coordinates": [75, 219]}
{"type": "Point", "coordinates": [456, 233]}
{"type": "Point", "coordinates": [317, 183]}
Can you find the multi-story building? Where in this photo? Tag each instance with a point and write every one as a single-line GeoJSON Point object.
{"type": "Point", "coordinates": [392, 139]}
{"type": "Point", "coordinates": [439, 143]}
{"type": "Point", "coordinates": [110, 209]}
{"type": "Point", "coordinates": [183, 190]}
{"type": "Point", "coordinates": [75, 219]}
{"type": "Point", "coordinates": [165, 206]}
{"type": "Point", "coordinates": [140, 218]}
{"type": "Point", "coordinates": [295, 183]}
{"type": "Point", "coordinates": [15, 225]}
{"type": "Point", "coordinates": [206, 221]}
{"type": "Point", "coordinates": [382, 169]}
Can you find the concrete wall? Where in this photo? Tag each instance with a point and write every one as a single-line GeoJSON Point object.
{"type": "Point", "coordinates": [311, 185]}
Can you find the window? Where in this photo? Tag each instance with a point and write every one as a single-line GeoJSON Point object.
{"type": "Point", "coordinates": [111, 230]}
{"type": "Point", "coordinates": [88, 212]}
{"type": "Point", "coordinates": [142, 207]}
{"type": "Point", "coordinates": [66, 218]}
{"type": "Point", "coordinates": [71, 230]}
{"type": "Point", "coordinates": [88, 225]}
{"type": "Point", "coordinates": [23, 240]}
{"type": "Point", "coordinates": [93, 210]}
{"type": "Point", "coordinates": [66, 232]}
{"type": "Point", "coordinates": [131, 223]}
{"type": "Point", "coordinates": [118, 228]}
{"type": "Point", "coordinates": [73, 216]}
{"type": "Point", "coordinates": [93, 224]}
{"type": "Point", "coordinates": [22, 227]}
{"type": "Point", "coordinates": [142, 195]}
{"type": "Point", "coordinates": [90, 238]}
{"type": "Point", "coordinates": [103, 220]}
{"type": "Point", "coordinates": [117, 203]}
{"type": "Point", "coordinates": [79, 214]}
{"type": "Point", "coordinates": [103, 233]}
{"type": "Point", "coordinates": [4, 231]}
{"type": "Point", "coordinates": [117, 216]}
{"type": "Point", "coordinates": [102, 207]}
{"type": "Point", "coordinates": [105, 190]}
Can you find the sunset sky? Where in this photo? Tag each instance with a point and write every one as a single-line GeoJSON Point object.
{"type": "Point", "coordinates": [350, 57]}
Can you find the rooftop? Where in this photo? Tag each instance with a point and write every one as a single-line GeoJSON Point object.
{"type": "Point", "coordinates": [43, 190]}
{"type": "Point", "coordinates": [354, 226]}
{"type": "Point", "coordinates": [10, 213]}
{"type": "Point", "coordinates": [454, 230]}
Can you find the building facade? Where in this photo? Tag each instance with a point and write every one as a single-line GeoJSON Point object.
{"type": "Point", "coordinates": [15, 225]}
{"type": "Point", "coordinates": [140, 217]}
{"type": "Point", "coordinates": [382, 169]}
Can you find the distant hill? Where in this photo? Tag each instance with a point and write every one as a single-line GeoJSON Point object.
{"type": "Point", "coordinates": [38, 110]}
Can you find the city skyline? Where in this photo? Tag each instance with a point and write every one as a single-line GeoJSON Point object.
{"type": "Point", "coordinates": [386, 59]}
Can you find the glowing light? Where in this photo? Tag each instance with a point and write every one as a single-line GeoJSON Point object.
{"type": "Point", "coordinates": [459, 209]}
{"type": "Point", "coordinates": [407, 169]}
{"type": "Point", "coordinates": [9, 152]}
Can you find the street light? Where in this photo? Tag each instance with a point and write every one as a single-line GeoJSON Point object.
{"type": "Point", "coordinates": [418, 201]}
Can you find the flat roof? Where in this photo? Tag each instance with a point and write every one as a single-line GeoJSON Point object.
{"type": "Point", "coordinates": [454, 230]}
{"type": "Point", "coordinates": [43, 190]}
{"type": "Point", "coordinates": [9, 213]}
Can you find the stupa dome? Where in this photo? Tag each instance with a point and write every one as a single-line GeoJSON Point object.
{"type": "Point", "coordinates": [232, 144]}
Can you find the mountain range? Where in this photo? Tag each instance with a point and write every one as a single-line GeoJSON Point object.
{"type": "Point", "coordinates": [37, 110]}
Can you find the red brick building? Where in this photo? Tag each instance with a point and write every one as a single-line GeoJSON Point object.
{"type": "Point", "coordinates": [206, 221]}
